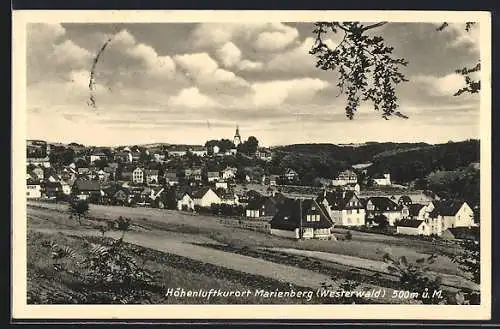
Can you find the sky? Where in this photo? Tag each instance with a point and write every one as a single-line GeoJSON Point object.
{"type": "Point", "coordinates": [192, 82]}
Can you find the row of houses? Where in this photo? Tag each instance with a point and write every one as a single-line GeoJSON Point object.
{"type": "Point", "coordinates": [345, 208]}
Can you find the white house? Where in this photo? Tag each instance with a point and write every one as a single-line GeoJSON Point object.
{"type": "Point", "coordinates": [213, 176]}
{"type": "Point", "coordinates": [33, 189]}
{"type": "Point", "coordinates": [229, 173]}
{"type": "Point", "coordinates": [221, 185]}
{"type": "Point", "coordinates": [66, 188]}
{"type": "Point", "coordinates": [345, 177]}
{"type": "Point", "coordinates": [185, 203]}
{"type": "Point", "coordinates": [383, 180]}
{"type": "Point", "coordinates": [344, 207]}
{"type": "Point", "coordinates": [413, 227]}
{"type": "Point", "coordinates": [138, 176]}
{"type": "Point", "coordinates": [205, 197]}
{"type": "Point", "coordinates": [452, 214]}
{"type": "Point", "coordinates": [377, 206]}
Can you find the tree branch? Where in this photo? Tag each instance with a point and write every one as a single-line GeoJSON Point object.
{"type": "Point", "coordinates": [373, 26]}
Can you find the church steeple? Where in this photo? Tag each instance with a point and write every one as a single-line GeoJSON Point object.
{"type": "Point", "coordinates": [237, 137]}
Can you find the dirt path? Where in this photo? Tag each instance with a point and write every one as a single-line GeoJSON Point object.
{"type": "Point", "coordinates": [367, 264]}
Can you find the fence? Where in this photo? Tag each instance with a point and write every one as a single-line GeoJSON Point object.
{"type": "Point", "coordinates": [259, 226]}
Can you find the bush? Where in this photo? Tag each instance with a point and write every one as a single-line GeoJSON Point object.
{"type": "Point", "coordinates": [348, 235]}
{"type": "Point", "coordinates": [78, 209]}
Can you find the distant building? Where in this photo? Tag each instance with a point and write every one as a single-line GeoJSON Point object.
{"type": "Point", "coordinates": [33, 189]}
{"type": "Point", "coordinates": [344, 207]}
{"type": "Point", "coordinates": [413, 227]}
{"type": "Point", "coordinates": [138, 176]}
{"type": "Point", "coordinates": [383, 206]}
{"type": "Point", "coordinates": [345, 177]}
{"type": "Point", "coordinates": [301, 219]}
{"type": "Point", "coordinates": [382, 180]}
{"type": "Point", "coordinates": [213, 176]}
{"type": "Point", "coordinates": [205, 197]}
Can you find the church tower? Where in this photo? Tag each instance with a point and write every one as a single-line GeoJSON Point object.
{"type": "Point", "coordinates": [237, 137]}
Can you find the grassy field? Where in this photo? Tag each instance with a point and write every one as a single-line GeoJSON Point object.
{"type": "Point", "coordinates": [171, 228]}
{"type": "Point", "coordinates": [47, 285]}
{"type": "Point", "coordinates": [363, 245]}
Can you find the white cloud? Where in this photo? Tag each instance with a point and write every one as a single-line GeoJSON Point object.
{"type": "Point", "coordinates": [441, 86]}
{"type": "Point", "coordinates": [275, 93]}
{"type": "Point", "coordinates": [263, 36]}
{"type": "Point", "coordinates": [246, 65]}
{"type": "Point", "coordinates": [462, 38]}
{"type": "Point", "coordinates": [192, 98]}
{"type": "Point", "coordinates": [229, 55]}
{"type": "Point", "coordinates": [278, 38]}
{"type": "Point", "coordinates": [204, 70]}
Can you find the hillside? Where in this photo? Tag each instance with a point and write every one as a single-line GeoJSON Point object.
{"type": "Point", "coordinates": [405, 161]}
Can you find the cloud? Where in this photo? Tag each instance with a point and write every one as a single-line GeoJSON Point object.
{"type": "Point", "coordinates": [274, 93]}
{"type": "Point", "coordinates": [246, 65]}
{"type": "Point", "coordinates": [278, 38]}
{"type": "Point", "coordinates": [192, 98]}
{"type": "Point", "coordinates": [229, 55]}
{"type": "Point", "coordinates": [460, 38]}
{"type": "Point", "coordinates": [50, 56]}
{"type": "Point", "coordinates": [441, 86]}
{"type": "Point", "coordinates": [261, 36]}
{"type": "Point", "coordinates": [205, 71]}
{"type": "Point", "coordinates": [297, 59]}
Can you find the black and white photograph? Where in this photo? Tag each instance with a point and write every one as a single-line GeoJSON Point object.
{"type": "Point", "coordinates": [253, 159]}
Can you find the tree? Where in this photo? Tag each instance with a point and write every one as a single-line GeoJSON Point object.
{"type": "Point", "coordinates": [252, 145]}
{"type": "Point", "coordinates": [78, 209]}
{"type": "Point", "coordinates": [416, 277]}
{"type": "Point", "coordinates": [367, 69]}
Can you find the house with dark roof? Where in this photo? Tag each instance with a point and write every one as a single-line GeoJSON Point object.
{"type": "Point", "coordinates": [404, 200]}
{"type": "Point", "coordinates": [171, 178]}
{"type": "Point", "coordinates": [302, 219]}
{"type": "Point", "coordinates": [345, 177]}
{"type": "Point", "coordinates": [461, 233]}
{"type": "Point", "coordinates": [290, 174]}
{"type": "Point", "coordinates": [413, 227]}
{"type": "Point", "coordinates": [151, 176]}
{"type": "Point", "coordinates": [413, 211]}
{"type": "Point", "coordinates": [344, 207]}
{"type": "Point", "coordinates": [52, 189]}
{"type": "Point", "coordinates": [376, 206]}
{"type": "Point", "coordinates": [85, 189]}
{"type": "Point", "coordinates": [452, 214]}
{"type": "Point", "coordinates": [213, 176]}
{"type": "Point", "coordinates": [261, 207]}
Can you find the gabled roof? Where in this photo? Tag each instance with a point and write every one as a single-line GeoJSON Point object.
{"type": "Point", "coordinates": [289, 215]}
{"type": "Point", "coordinates": [414, 223]}
{"type": "Point", "coordinates": [405, 199]}
{"type": "Point", "coordinates": [445, 208]}
{"type": "Point", "coordinates": [152, 172]}
{"type": "Point", "coordinates": [383, 203]}
{"type": "Point", "coordinates": [201, 192]}
{"type": "Point", "coordinates": [213, 174]}
{"type": "Point", "coordinates": [339, 200]}
{"type": "Point", "coordinates": [464, 233]}
{"type": "Point", "coordinates": [32, 181]}
{"type": "Point", "coordinates": [258, 203]}
{"type": "Point", "coordinates": [414, 209]}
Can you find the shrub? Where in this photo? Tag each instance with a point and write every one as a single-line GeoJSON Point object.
{"type": "Point", "coordinates": [348, 235]}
